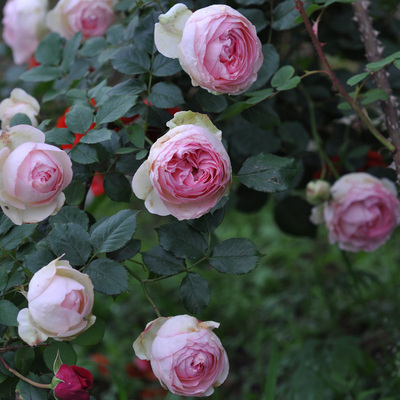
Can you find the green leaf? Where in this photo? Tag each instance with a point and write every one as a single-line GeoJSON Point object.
{"type": "Point", "coordinates": [96, 136]}
{"type": "Point", "coordinates": [93, 46]}
{"type": "Point", "coordinates": [70, 50]}
{"type": "Point", "coordinates": [268, 173]}
{"type": "Point", "coordinates": [137, 136]}
{"type": "Point", "coordinates": [126, 252]}
{"type": "Point", "coordinates": [117, 187]}
{"type": "Point", "coordinates": [182, 240]}
{"type": "Point", "coordinates": [195, 293]}
{"type": "Point", "coordinates": [129, 87]}
{"type": "Point", "coordinates": [290, 84]}
{"type": "Point", "coordinates": [268, 68]}
{"type": "Point", "coordinates": [24, 357]}
{"type": "Point", "coordinates": [374, 95]}
{"type": "Point", "coordinates": [5, 224]}
{"type": "Point", "coordinates": [70, 214]}
{"type": "Point", "coordinates": [161, 262]}
{"type": "Point", "coordinates": [42, 73]}
{"type": "Point", "coordinates": [210, 102]}
{"type": "Point", "coordinates": [166, 95]}
{"type": "Point", "coordinates": [115, 34]}
{"type": "Point", "coordinates": [114, 108]}
{"type": "Point", "coordinates": [19, 119]}
{"type": "Point", "coordinates": [234, 256]}
{"type": "Point", "coordinates": [256, 17]}
{"type": "Point", "coordinates": [77, 96]}
{"type": "Point", "coordinates": [259, 96]}
{"type": "Point", "coordinates": [79, 118]}
{"type": "Point", "coordinates": [114, 232]}
{"type": "Point", "coordinates": [59, 136]}
{"type": "Point", "coordinates": [39, 259]}
{"type": "Point", "coordinates": [25, 391]}
{"type": "Point", "coordinates": [282, 76]}
{"type": "Point", "coordinates": [8, 313]}
{"type": "Point", "coordinates": [66, 351]}
{"type": "Point", "coordinates": [262, 115]}
{"type": "Point", "coordinates": [3, 279]}
{"type": "Point", "coordinates": [72, 240]}
{"type": "Point", "coordinates": [208, 222]}
{"type": "Point", "coordinates": [93, 335]}
{"type": "Point", "coordinates": [49, 50]}
{"type": "Point", "coordinates": [17, 235]}
{"type": "Point", "coordinates": [285, 15]}
{"type": "Point", "coordinates": [163, 66]}
{"type": "Point", "coordinates": [83, 154]}
{"type": "Point", "coordinates": [377, 65]}
{"type": "Point", "coordinates": [233, 110]}
{"type": "Point", "coordinates": [357, 78]}
{"type": "Point", "coordinates": [108, 276]}
{"type": "Point", "coordinates": [75, 193]}
{"type": "Point", "coordinates": [131, 60]}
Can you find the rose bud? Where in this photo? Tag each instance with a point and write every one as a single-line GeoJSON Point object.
{"type": "Point", "coordinates": [24, 26]}
{"type": "Point", "coordinates": [188, 169]}
{"type": "Point", "coordinates": [185, 355]}
{"type": "Point", "coordinates": [362, 213]}
{"type": "Point", "coordinates": [18, 102]}
{"type": "Point", "coordinates": [60, 302]}
{"type": "Point", "coordinates": [91, 17]}
{"type": "Point", "coordinates": [224, 60]}
{"type": "Point", "coordinates": [318, 191]}
{"type": "Point", "coordinates": [32, 175]}
{"type": "Point", "coordinates": [76, 382]}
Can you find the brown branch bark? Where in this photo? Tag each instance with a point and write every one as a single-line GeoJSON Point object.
{"type": "Point", "coordinates": [373, 53]}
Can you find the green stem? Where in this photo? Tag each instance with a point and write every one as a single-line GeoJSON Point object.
{"type": "Point", "coordinates": [336, 83]}
{"type": "Point", "coordinates": [324, 159]}
{"type": "Point", "coordinates": [146, 293]}
{"type": "Point", "coordinates": [24, 378]}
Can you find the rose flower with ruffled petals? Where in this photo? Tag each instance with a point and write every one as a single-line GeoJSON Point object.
{"type": "Point", "coordinates": [32, 175]}
{"type": "Point", "coordinates": [361, 213]}
{"type": "Point", "coordinates": [188, 169]}
{"type": "Point", "coordinates": [185, 355]}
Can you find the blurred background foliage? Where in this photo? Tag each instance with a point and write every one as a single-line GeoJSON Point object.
{"type": "Point", "coordinates": [309, 323]}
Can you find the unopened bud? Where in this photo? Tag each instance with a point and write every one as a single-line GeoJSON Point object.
{"type": "Point", "coordinates": [318, 191]}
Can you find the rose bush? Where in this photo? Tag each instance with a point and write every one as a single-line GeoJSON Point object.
{"type": "Point", "coordinates": [91, 17]}
{"type": "Point", "coordinates": [362, 213]}
{"type": "Point", "coordinates": [19, 102]}
{"type": "Point", "coordinates": [60, 302]}
{"type": "Point", "coordinates": [32, 175]}
{"type": "Point", "coordinates": [24, 25]}
{"type": "Point", "coordinates": [188, 169]}
{"type": "Point", "coordinates": [216, 45]}
{"type": "Point", "coordinates": [185, 355]}
{"type": "Point", "coordinates": [76, 383]}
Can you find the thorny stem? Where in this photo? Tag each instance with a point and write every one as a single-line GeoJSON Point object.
{"type": "Point", "coordinates": [24, 378]}
{"type": "Point", "coordinates": [374, 49]}
{"type": "Point", "coordinates": [336, 83]}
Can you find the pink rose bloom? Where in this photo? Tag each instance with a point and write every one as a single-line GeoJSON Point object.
{"type": "Point", "coordinates": [217, 46]}
{"type": "Point", "coordinates": [188, 169]}
{"type": "Point", "coordinates": [18, 102]}
{"type": "Point", "coordinates": [24, 25]}
{"type": "Point", "coordinates": [185, 355]}
{"type": "Point", "coordinates": [32, 175]}
{"type": "Point", "coordinates": [362, 212]}
{"type": "Point", "coordinates": [91, 17]}
{"type": "Point", "coordinates": [60, 302]}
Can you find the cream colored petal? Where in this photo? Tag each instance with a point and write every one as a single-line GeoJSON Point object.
{"type": "Point", "coordinates": [168, 31]}
{"type": "Point", "coordinates": [142, 345]}
{"type": "Point", "coordinates": [155, 205]}
{"type": "Point", "coordinates": [27, 330]}
{"type": "Point", "coordinates": [141, 184]}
